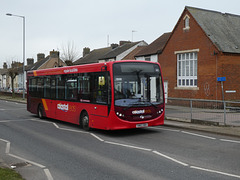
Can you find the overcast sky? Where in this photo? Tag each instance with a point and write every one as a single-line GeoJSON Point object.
{"type": "Point", "coordinates": [51, 24]}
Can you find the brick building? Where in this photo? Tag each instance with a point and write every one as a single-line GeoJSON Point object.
{"type": "Point", "coordinates": [203, 46]}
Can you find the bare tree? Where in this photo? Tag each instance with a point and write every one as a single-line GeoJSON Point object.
{"type": "Point", "coordinates": [69, 53]}
{"type": "Point", "coordinates": [13, 72]}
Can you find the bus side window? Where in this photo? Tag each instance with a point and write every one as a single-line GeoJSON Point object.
{"type": "Point", "coordinates": [53, 87]}
{"type": "Point", "coordinates": [60, 87]}
{"type": "Point", "coordinates": [71, 88]}
{"type": "Point", "coordinates": [84, 87]}
{"type": "Point", "coordinates": [47, 89]}
{"type": "Point", "coordinates": [33, 87]}
{"type": "Point", "coordinates": [39, 87]}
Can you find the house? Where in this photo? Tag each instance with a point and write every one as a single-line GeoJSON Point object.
{"type": "Point", "coordinates": [203, 50]}
{"type": "Point", "coordinates": [121, 51]}
{"type": "Point", "coordinates": [132, 54]}
{"type": "Point", "coordinates": [151, 52]}
{"type": "Point", "coordinates": [4, 78]}
{"type": "Point", "coordinates": [51, 61]}
{"type": "Point", "coordinates": [92, 56]}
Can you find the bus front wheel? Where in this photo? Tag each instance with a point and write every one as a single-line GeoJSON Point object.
{"type": "Point", "coordinates": [85, 121]}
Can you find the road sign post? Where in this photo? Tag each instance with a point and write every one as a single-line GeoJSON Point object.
{"type": "Point", "coordinates": [222, 79]}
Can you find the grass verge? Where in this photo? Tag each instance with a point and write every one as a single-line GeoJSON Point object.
{"type": "Point", "coordinates": [9, 174]}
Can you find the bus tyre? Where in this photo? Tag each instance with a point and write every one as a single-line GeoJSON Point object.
{"type": "Point", "coordinates": [85, 121]}
{"type": "Point", "coordinates": [40, 111]}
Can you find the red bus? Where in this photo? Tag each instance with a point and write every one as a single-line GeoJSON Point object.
{"type": "Point", "coordinates": [112, 95]}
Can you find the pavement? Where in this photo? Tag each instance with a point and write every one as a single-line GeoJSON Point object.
{"type": "Point", "coordinates": [176, 122]}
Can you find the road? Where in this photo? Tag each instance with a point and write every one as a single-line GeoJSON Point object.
{"type": "Point", "coordinates": [50, 149]}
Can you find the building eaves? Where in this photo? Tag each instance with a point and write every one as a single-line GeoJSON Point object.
{"type": "Point", "coordinates": [93, 56]}
{"type": "Point", "coordinates": [221, 28]}
{"type": "Point", "coordinates": [156, 46]}
{"type": "Point", "coordinates": [120, 49]}
{"type": "Point", "coordinates": [132, 54]}
{"type": "Point", "coordinates": [38, 64]}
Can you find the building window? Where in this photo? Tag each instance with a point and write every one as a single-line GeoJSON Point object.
{"type": "Point", "coordinates": [186, 22]}
{"type": "Point", "coordinates": [187, 69]}
{"type": "Point", "coordinates": [147, 58]}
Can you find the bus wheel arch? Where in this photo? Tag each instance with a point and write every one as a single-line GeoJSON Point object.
{"type": "Point", "coordinates": [84, 120]}
{"type": "Point", "coordinates": [40, 111]}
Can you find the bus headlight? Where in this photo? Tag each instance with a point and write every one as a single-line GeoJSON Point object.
{"type": "Point", "coordinates": [119, 114]}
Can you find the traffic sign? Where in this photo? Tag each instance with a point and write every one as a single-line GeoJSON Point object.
{"type": "Point", "coordinates": [220, 79]}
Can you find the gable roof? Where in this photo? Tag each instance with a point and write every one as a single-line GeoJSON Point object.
{"type": "Point", "coordinates": [221, 28]}
{"type": "Point", "coordinates": [38, 64]}
{"type": "Point", "coordinates": [156, 47]}
{"type": "Point", "coordinates": [118, 50]}
{"type": "Point", "coordinates": [93, 56]}
{"type": "Point", "coordinates": [132, 54]}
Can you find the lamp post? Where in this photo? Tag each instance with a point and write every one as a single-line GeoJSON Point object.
{"type": "Point", "coordinates": [23, 79]}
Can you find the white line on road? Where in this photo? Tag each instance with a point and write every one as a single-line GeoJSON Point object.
{"type": "Point", "coordinates": [12, 109]}
{"type": "Point", "coordinates": [129, 146]}
{"type": "Point", "coordinates": [31, 162]}
{"type": "Point", "coordinates": [100, 139]}
{"type": "Point", "coordinates": [72, 130]}
{"type": "Point", "coordinates": [199, 135]}
{"type": "Point", "coordinates": [4, 121]}
{"type": "Point", "coordinates": [7, 151]}
{"type": "Point", "coordinates": [165, 129]}
{"type": "Point", "coordinates": [228, 140]}
{"type": "Point", "coordinates": [172, 159]}
{"type": "Point", "coordinates": [48, 174]}
{"type": "Point", "coordinates": [217, 172]}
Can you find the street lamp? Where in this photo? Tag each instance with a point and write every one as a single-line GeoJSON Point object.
{"type": "Point", "coordinates": [23, 79]}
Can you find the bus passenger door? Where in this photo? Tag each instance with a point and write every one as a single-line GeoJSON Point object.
{"type": "Point", "coordinates": [100, 98]}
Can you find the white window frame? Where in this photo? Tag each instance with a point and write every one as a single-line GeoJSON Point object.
{"type": "Point", "coordinates": [186, 20]}
{"type": "Point", "coordinates": [187, 68]}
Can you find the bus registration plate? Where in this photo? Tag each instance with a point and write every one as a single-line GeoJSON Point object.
{"type": "Point", "coordinates": [142, 125]}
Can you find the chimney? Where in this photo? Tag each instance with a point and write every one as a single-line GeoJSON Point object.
{"type": "Point", "coordinates": [40, 56]}
{"type": "Point", "coordinates": [30, 61]}
{"type": "Point", "coordinates": [16, 64]}
{"type": "Point", "coordinates": [113, 46]}
{"type": "Point", "coordinates": [5, 65]}
{"type": "Point", "coordinates": [124, 42]}
{"type": "Point", "coordinates": [86, 51]}
{"type": "Point", "coordinates": [54, 54]}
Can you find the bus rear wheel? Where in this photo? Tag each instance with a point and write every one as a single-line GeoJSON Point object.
{"type": "Point", "coordinates": [40, 111]}
{"type": "Point", "coordinates": [85, 121]}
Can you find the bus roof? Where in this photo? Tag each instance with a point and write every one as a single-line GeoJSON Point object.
{"type": "Point", "coordinates": [95, 67]}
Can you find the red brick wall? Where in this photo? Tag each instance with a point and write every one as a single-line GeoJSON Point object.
{"type": "Point", "coordinates": [229, 67]}
{"type": "Point", "coordinates": [195, 38]}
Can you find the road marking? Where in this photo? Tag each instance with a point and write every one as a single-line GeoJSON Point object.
{"type": "Point", "coordinates": [31, 162]}
{"type": "Point", "coordinates": [213, 171]}
{"type": "Point", "coordinates": [100, 139]}
{"type": "Point", "coordinates": [129, 146]}
{"type": "Point", "coordinates": [7, 151]}
{"type": "Point", "coordinates": [4, 121]}
{"type": "Point", "coordinates": [48, 174]}
{"type": "Point", "coordinates": [199, 135]}
{"type": "Point", "coordinates": [232, 141]}
{"type": "Point", "coordinates": [12, 109]}
{"type": "Point", "coordinates": [168, 157]}
{"type": "Point", "coordinates": [165, 129]}
{"type": "Point", "coordinates": [72, 130]}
